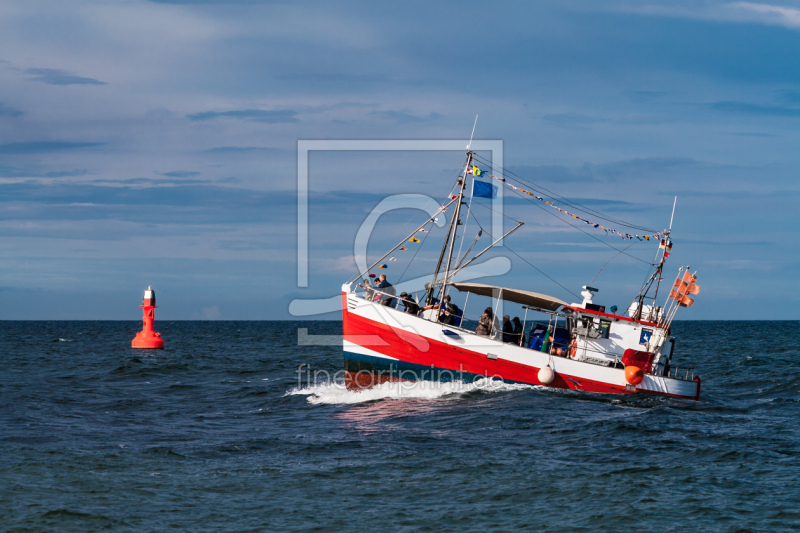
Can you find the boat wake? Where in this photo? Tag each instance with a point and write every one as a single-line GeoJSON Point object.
{"type": "Point", "coordinates": [337, 393]}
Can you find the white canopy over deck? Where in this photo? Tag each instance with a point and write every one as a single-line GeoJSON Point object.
{"type": "Point", "coordinates": [533, 299]}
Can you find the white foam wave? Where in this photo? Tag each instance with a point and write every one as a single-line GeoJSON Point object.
{"type": "Point", "coordinates": [337, 393]}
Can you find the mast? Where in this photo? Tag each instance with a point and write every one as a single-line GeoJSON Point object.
{"type": "Point", "coordinates": [664, 257]}
{"type": "Point", "coordinates": [450, 232]}
{"type": "Point", "coordinates": [454, 224]}
{"type": "Point", "coordinates": [656, 277]}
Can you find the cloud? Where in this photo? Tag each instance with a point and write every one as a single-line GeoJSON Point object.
{"type": "Point", "coordinates": [210, 313]}
{"type": "Point", "coordinates": [737, 12]}
{"type": "Point", "coordinates": [754, 109]}
{"type": "Point", "coordinates": [241, 149]}
{"type": "Point", "coordinates": [278, 116]}
{"type": "Point", "coordinates": [181, 174]}
{"type": "Point", "coordinates": [155, 182]}
{"type": "Point", "coordinates": [405, 117]}
{"type": "Point", "coordinates": [767, 14]}
{"type": "Point", "coordinates": [53, 76]}
{"type": "Point", "coordinates": [6, 111]}
{"type": "Point", "coordinates": [205, 2]}
{"type": "Point", "coordinates": [640, 166]}
{"type": "Point", "coordinates": [16, 172]}
{"type": "Point", "coordinates": [44, 147]}
{"type": "Point", "coordinates": [572, 120]}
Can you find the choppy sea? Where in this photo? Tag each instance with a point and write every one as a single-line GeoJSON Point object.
{"type": "Point", "coordinates": [225, 431]}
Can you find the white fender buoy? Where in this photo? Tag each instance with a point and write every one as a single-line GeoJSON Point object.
{"type": "Point", "coordinates": [546, 375]}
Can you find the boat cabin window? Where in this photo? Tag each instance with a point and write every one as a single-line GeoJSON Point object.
{"type": "Point", "coordinates": [593, 327]}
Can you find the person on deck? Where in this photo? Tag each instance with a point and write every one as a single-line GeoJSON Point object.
{"type": "Point", "coordinates": [508, 330]}
{"type": "Point", "coordinates": [387, 288]}
{"type": "Point", "coordinates": [407, 300]}
{"type": "Point", "coordinates": [517, 331]}
{"type": "Point", "coordinates": [368, 290]}
{"type": "Point", "coordinates": [485, 323]}
{"type": "Point", "coordinates": [447, 315]}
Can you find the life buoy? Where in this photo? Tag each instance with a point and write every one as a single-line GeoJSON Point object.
{"type": "Point", "coordinates": [573, 348]}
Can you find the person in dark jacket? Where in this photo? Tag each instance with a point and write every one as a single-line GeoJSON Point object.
{"type": "Point", "coordinates": [508, 329]}
{"type": "Point", "coordinates": [447, 313]}
{"type": "Point", "coordinates": [407, 300]}
{"type": "Point", "coordinates": [384, 286]}
{"type": "Point", "coordinates": [517, 330]}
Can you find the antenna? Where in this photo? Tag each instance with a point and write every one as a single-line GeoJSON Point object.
{"type": "Point", "coordinates": [673, 213]}
{"type": "Point", "coordinates": [473, 133]}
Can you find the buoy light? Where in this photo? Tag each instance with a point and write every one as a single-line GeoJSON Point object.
{"type": "Point", "coordinates": [147, 338]}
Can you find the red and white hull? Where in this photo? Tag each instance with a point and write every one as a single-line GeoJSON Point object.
{"type": "Point", "coordinates": [384, 344]}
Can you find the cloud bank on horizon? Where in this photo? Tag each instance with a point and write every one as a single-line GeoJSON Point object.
{"type": "Point", "coordinates": [155, 143]}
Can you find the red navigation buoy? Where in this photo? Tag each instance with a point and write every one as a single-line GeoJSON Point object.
{"type": "Point", "coordinates": [147, 338]}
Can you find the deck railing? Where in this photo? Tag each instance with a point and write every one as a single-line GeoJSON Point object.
{"type": "Point", "coordinates": [470, 325]}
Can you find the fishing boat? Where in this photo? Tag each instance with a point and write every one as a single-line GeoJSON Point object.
{"type": "Point", "coordinates": [579, 345]}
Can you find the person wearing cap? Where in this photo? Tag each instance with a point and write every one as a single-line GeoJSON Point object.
{"type": "Point", "coordinates": [407, 300]}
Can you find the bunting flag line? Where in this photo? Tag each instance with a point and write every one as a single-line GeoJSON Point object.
{"type": "Point", "coordinates": [624, 236]}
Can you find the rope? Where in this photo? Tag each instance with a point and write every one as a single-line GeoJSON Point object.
{"type": "Point", "coordinates": [540, 271]}
{"type": "Point", "coordinates": [547, 192]}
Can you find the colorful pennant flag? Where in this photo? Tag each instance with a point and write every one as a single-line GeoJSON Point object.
{"type": "Point", "coordinates": [624, 236]}
{"type": "Point", "coordinates": [384, 266]}
{"type": "Point", "coordinates": [413, 239]}
{"type": "Point", "coordinates": [403, 248]}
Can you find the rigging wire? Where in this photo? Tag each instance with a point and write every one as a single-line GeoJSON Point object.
{"type": "Point", "coordinates": [540, 271]}
{"type": "Point", "coordinates": [547, 192]}
{"type": "Point", "coordinates": [422, 241]}
{"type": "Point", "coordinates": [606, 263]}
{"type": "Point", "coordinates": [464, 230]}
{"type": "Point", "coordinates": [598, 239]}
{"type": "Point", "coordinates": [402, 228]}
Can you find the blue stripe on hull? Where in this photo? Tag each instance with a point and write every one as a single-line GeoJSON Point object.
{"type": "Point", "coordinates": [393, 368]}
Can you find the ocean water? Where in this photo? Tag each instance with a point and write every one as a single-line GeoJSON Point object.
{"type": "Point", "coordinates": [222, 432]}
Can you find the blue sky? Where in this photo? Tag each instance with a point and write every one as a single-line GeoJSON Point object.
{"type": "Point", "coordinates": [155, 143]}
